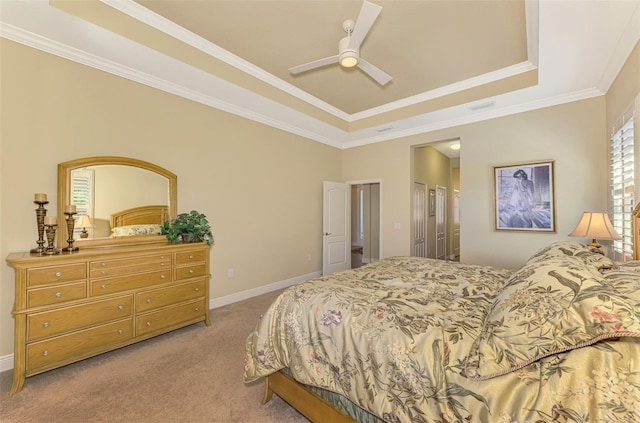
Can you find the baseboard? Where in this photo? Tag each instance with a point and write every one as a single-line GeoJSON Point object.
{"type": "Point", "coordinates": [250, 293]}
{"type": "Point", "coordinates": [6, 362]}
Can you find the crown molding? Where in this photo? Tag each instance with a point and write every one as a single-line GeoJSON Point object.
{"type": "Point", "coordinates": [479, 117]}
{"type": "Point", "coordinates": [446, 90]}
{"type": "Point", "coordinates": [56, 48]}
{"type": "Point", "coordinates": [142, 14]}
{"type": "Point", "coordinates": [146, 16]}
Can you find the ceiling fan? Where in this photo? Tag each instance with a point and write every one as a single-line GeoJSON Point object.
{"type": "Point", "coordinates": [349, 47]}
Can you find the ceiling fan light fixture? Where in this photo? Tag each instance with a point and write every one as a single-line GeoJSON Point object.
{"type": "Point", "coordinates": [348, 55]}
{"type": "Point", "coordinates": [348, 59]}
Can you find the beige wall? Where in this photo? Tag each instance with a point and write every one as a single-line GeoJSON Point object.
{"type": "Point", "coordinates": [571, 134]}
{"type": "Point", "coordinates": [260, 187]}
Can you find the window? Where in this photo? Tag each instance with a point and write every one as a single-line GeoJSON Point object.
{"type": "Point", "coordinates": [622, 186]}
{"type": "Point", "coordinates": [82, 194]}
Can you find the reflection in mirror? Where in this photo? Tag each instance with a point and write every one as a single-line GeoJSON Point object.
{"type": "Point", "coordinates": [118, 188]}
{"type": "Point", "coordinates": [115, 191]}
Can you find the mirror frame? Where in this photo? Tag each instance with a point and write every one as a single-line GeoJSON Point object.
{"type": "Point", "coordinates": [64, 198]}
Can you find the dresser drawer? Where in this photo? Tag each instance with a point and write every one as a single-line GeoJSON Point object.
{"type": "Point", "coordinates": [65, 319]}
{"type": "Point", "coordinates": [56, 294]}
{"type": "Point", "coordinates": [170, 317]}
{"type": "Point", "coordinates": [187, 272]}
{"type": "Point", "coordinates": [105, 268]}
{"type": "Point", "coordinates": [129, 282]}
{"type": "Point", "coordinates": [170, 295]}
{"type": "Point", "coordinates": [71, 347]}
{"type": "Point", "coordinates": [195, 256]}
{"type": "Point", "coordinates": [56, 274]}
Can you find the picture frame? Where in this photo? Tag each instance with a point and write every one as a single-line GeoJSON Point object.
{"type": "Point", "coordinates": [525, 197]}
{"type": "Point", "coordinates": [432, 202]}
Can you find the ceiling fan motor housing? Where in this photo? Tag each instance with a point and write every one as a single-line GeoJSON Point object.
{"type": "Point", "coordinates": [349, 56]}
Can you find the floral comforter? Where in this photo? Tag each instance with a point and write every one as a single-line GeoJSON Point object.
{"type": "Point", "coordinates": [418, 340]}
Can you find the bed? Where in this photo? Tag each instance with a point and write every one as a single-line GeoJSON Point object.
{"type": "Point", "coordinates": [143, 220]}
{"type": "Point", "coordinates": [410, 339]}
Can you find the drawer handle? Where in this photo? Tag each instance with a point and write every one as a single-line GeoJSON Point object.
{"type": "Point", "coordinates": [197, 289]}
{"type": "Point", "coordinates": [103, 286]}
{"type": "Point", "coordinates": [104, 272]}
{"type": "Point", "coordinates": [45, 353]}
{"type": "Point", "coordinates": [190, 257]}
{"type": "Point", "coordinates": [45, 325]}
{"type": "Point", "coordinates": [191, 271]}
{"type": "Point", "coordinates": [162, 257]}
{"type": "Point", "coordinates": [58, 274]}
{"type": "Point", "coordinates": [162, 264]}
{"type": "Point", "coordinates": [58, 294]}
{"type": "Point", "coordinates": [197, 308]}
{"type": "Point", "coordinates": [148, 300]}
{"type": "Point", "coordinates": [120, 307]}
{"type": "Point", "coordinates": [148, 323]}
{"type": "Point", "coordinates": [162, 276]}
{"type": "Point", "coordinates": [103, 264]}
{"type": "Point", "coordinates": [119, 331]}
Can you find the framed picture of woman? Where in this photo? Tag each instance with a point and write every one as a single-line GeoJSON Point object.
{"type": "Point", "coordinates": [524, 197]}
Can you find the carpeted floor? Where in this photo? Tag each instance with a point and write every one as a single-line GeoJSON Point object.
{"type": "Point", "coordinates": [190, 375]}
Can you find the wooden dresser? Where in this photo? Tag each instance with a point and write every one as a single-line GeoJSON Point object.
{"type": "Point", "coordinates": [72, 306]}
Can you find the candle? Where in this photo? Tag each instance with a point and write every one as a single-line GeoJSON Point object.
{"type": "Point", "coordinates": [50, 220]}
{"type": "Point", "coordinates": [41, 198]}
{"type": "Point", "coordinates": [70, 208]}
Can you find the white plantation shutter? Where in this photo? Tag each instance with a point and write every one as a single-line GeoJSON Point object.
{"type": "Point", "coordinates": [622, 185]}
{"type": "Point", "coordinates": [82, 193]}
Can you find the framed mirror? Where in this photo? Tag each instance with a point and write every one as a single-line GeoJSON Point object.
{"type": "Point", "coordinates": [114, 192]}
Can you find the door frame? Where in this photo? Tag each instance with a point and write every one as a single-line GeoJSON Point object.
{"type": "Point", "coordinates": [441, 206]}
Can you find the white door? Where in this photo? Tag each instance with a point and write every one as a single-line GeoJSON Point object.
{"type": "Point", "coordinates": [336, 227]}
{"type": "Point", "coordinates": [419, 219]}
{"type": "Point", "coordinates": [441, 223]}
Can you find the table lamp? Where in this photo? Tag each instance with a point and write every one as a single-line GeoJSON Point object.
{"type": "Point", "coordinates": [595, 225]}
{"type": "Point", "coordinates": [84, 222]}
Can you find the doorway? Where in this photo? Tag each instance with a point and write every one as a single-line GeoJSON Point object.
{"type": "Point", "coordinates": [350, 225]}
{"type": "Point", "coordinates": [365, 223]}
{"type": "Point", "coordinates": [441, 222]}
{"type": "Point", "coordinates": [436, 167]}
{"type": "Point", "coordinates": [419, 219]}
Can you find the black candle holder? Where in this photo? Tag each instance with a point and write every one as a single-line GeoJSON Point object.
{"type": "Point", "coordinates": [41, 212]}
{"type": "Point", "coordinates": [70, 225]}
{"type": "Point", "coordinates": [51, 236]}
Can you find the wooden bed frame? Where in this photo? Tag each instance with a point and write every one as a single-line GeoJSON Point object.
{"type": "Point", "coordinates": [318, 410]}
{"type": "Point", "coordinates": [636, 232]}
{"type": "Point", "coordinates": [310, 405]}
{"type": "Point", "coordinates": [143, 215]}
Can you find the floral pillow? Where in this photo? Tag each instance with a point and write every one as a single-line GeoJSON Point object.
{"type": "Point", "coordinates": [552, 306]}
{"type": "Point", "coordinates": [574, 249]}
{"type": "Point", "coordinates": [132, 230]}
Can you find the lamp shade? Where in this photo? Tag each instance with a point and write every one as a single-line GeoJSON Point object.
{"type": "Point", "coordinates": [84, 222]}
{"type": "Point", "coordinates": [595, 225]}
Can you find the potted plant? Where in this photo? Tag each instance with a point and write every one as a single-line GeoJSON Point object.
{"type": "Point", "coordinates": [188, 227]}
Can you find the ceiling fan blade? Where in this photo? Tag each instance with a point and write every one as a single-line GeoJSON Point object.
{"type": "Point", "coordinates": [380, 76]}
{"type": "Point", "coordinates": [315, 64]}
{"type": "Point", "coordinates": [368, 15]}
